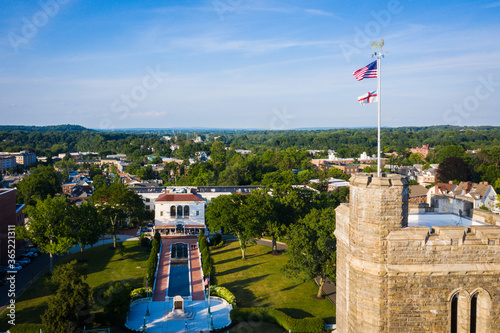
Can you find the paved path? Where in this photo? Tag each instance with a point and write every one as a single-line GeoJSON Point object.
{"type": "Point", "coordinates": [160, 291]}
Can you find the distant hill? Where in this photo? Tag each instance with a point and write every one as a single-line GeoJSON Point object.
{"type": "Point", "coordinates": [51, 128]}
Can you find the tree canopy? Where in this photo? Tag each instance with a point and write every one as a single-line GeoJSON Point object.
{"type": "Point", "coordinates": [117, 204]}
{"type": "Point", "coordinates": [49, 226]}
{"type": "Point", "coordinates": [243, 216]}
{"type": "Point", "coordinates": [312, 247]}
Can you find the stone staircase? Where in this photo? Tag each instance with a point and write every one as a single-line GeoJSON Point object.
{"type": "Point", "coordinates": [179, 314]}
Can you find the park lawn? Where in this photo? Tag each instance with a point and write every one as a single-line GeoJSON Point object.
{"type": "Point", "coordinates": [104, 267]}
{"type": "Point", "coordinates": [258, 282]}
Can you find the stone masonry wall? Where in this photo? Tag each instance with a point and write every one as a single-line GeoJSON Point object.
{"type": "Point", "coordinates": [394, 278]}
{"type": "Point", "coordinates": [426, 266]}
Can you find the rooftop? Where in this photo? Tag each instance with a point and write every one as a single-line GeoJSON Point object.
{"type": "Point", "coordinates": [430, 220]}
{"type": "Point", "coordinates": [178, 197]}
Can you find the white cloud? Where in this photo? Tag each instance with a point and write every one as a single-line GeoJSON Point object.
{"type": "Point", "coordinates": [320, 12]}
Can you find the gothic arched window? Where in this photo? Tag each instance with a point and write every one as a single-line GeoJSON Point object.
{"type": "Point", "coordinates": [473, 313]}
{"type": "Point", "coordinates": [454, 314]}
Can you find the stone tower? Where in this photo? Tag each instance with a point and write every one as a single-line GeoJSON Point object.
{"type": "Point", "coordinates": [377, 206]}
{"type": "Point", "coordinates": [396, 278]}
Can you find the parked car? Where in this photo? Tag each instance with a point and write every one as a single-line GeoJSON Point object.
{"type": "Point", "coordinates": [30, 254]}
{"type": "Point", "coordinates": [24, 258]}
{"type": "Point", "coordinates": [16, 267]}
{"type": "Point", "coordinates": [34, 249]}
{"type": "Point", "coordinates": [23, 262]}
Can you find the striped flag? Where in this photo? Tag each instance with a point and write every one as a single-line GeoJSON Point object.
{"type": "Point", "coordinates": [369, 97]}
{"type": "Point", "coordinates": [367, 72]}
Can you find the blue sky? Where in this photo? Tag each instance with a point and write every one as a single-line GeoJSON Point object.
{"type": "Point", "coordinates": [247, 63]}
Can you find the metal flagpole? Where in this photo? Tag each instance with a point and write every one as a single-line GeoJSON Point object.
{"type": "Point", "coordinates": [379, 70]}
{"type": "Point", "coordinates": [379, 56]}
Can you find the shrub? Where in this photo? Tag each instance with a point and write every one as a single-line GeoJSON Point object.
{"type": "Point", "coordinates": [157, 236]}
{"type": "Point", "coordinates": [144, 241]}
{"type": "Point", "coordinates": [272, 315]}
{"type": "Point", "coordinates": [203, 244]}
{"type": "Point", "coordinates": [140, 293]}
{"type": "Point", "coordinates": [27, 328]}
{"type": "Point", "coordinates": [207, 265]}
{"type": "Point", "coordinates": [216, 239]}
{"type": "Point", "coordinates": [223, 293]}
{"type": "Point", "coordinates": [201, 235]}
{"type": "Point", "coordinates": [221, 244]}
{"type": "Point", "coordinates": [155, 246]}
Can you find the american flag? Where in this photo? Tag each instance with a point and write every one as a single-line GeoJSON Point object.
{"type": "Point", "coordinates": [369, 97]}
{"type": "Point", "coordinates": [367, 72]}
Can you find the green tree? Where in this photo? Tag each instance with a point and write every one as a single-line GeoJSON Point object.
{"type": "Point", "coordinates": [218, 152]}
{"type": "Point", "coordinates": [453, 168]}
{"type": "Point", "coordinates": [416, 158]}
{"type": "Point", "coordinates": [450, 151]}
{"type": "Point", "coordinates": [117, 303]}
{"type": "Point", "coordinates": [117, 204]}
{"type": "Point", "coordinates": [237, 214]}
{"type": "Point", "coordinates": [99, 181]}
{"type": "Point", "coordinates": [49, 227]}
{"type": "Point", "coordinates": [68, 308]}
{"type": "Point", "coordinates": [43, 181]}
{"type": "Point", "coordinates": [88, 225]}
{"type": "Point", "coordinates": [312, 247]}
{"type": "Point", "coordinates": [287, 206]}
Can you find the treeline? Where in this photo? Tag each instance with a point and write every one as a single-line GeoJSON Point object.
{"type": "Point", "coordinates": [52, 140]}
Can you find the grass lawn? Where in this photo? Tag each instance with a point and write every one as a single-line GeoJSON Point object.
{"type": "Point", "coordinates": [104, 266]}
{"type": "Point", "coordinates": [257, 282]}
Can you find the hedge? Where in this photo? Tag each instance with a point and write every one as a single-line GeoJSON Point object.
{"type": "Point", "coordinates": [224, 293]}
{"type": "Point", "coordinates": [309, 325]}
{"type": "Point", "coordinates": [140, 293]}
{"type": "Point", "coordinates": [26, 328]}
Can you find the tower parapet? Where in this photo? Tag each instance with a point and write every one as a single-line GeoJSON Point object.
{"type": "Point", "coordinates": [395, 278]}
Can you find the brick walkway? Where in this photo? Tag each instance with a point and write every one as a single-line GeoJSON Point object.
{"type": "Point", "coordinates": [160, 291]}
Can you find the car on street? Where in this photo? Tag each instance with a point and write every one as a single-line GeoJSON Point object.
{"type": "Point", "coordinates": [30, 254]}
{"type": "Point", "coordinates": [23, 262]}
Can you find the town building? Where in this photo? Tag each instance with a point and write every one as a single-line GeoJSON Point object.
{"type": "Point", "coordinates": [417, 194]}
{"type": "Point", "coordinates": [427, 177]}
{"type": "Point", "coordinates": [477, 194]}
{"type": "Point", "coordinates": [482, 194]}
{"type": "Point", "coordinates": [182, 214]}
{"type": "Point", "coordinates": [10, 160]}
{"type": "Point", "coordinates": [210, 192]}
{"type": "Point", "coordinates": [11, 216]}
{"type": "Point", "coordinates": [401, 272]}
{"type": "Point", "coordinates": [25, 158]}
{"type": "Point", "coordinates": [424, 150]}
{"type": "Point", "coordinates": [7, 162]}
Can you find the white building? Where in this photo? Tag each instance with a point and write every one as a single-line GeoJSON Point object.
{"type": "Point", "coordinates": [182, 214]}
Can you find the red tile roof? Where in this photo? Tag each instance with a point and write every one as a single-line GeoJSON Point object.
{"type": "Point", "coordinates": [178, 197]}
